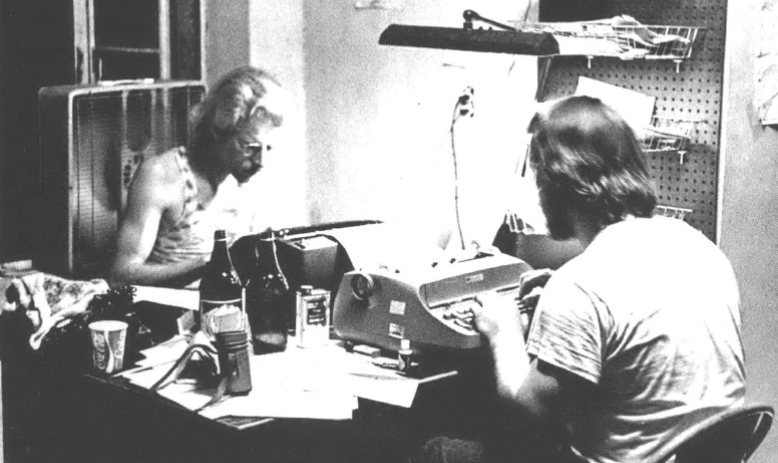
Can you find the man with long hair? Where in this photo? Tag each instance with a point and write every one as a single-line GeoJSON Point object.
{"type": "Point", "coordinates": [633, 340]}
{"type": "Point", "coordinates": [178, 198]}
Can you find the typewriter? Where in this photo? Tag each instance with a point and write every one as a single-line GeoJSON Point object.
{"type": "Point", "coordinates": [428, 305]}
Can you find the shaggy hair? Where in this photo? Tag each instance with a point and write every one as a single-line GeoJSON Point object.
{"type": "Point", "coordinates": [586, 158]}
{"type": "Point", "coordinates": [237, 100]}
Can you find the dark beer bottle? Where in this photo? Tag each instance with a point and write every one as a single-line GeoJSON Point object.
{"type": "Point", "coordinates": [267, 303]}
{"type": "Point", "coordinates": [220, 285]}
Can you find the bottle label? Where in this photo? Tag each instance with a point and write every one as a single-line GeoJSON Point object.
{"type": "Point", "coordinates": [313, 318]}
{"type": "Point", "coordinates": [218, 316]}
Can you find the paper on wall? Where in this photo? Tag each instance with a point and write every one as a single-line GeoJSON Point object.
{"type": "Point", "coordinates": [636, 108]}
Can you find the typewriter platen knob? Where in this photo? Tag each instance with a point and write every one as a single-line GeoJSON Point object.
{"type": "Point", "coordinates": [362, 286]}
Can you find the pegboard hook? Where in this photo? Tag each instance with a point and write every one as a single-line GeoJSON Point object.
{"type": "Point", "coordinates": [677, 65]}
{"type": "Point", "coordinates": [589, 62]}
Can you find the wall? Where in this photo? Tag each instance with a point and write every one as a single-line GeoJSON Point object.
{"type": "Point", "coordinates": [375, 141]}
{"type": "Point", "coordinates": [378, 120]}
{"type": "Point", "coordinates": [748, 207]}
{"type": "Point", "coordinates": [267, 34]}
{"type": "Point", "coordinates": [227, 38]}
{"type": "Point", "coordinates": [276, 43]}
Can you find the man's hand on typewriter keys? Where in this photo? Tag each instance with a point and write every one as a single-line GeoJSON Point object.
{"type": "Point", "coordinates": [531, 284]}
{"type": "Point", "coordinates": [496, 316]}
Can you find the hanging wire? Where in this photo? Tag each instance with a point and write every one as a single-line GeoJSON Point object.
{"type": "Point", "coordinates": [463, 107]}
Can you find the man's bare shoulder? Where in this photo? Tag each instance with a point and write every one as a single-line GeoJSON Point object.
{"type": "Point", "coordinates": [159, 178]}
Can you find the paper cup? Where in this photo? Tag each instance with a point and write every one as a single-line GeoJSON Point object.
{"type": "Point", "coordinates": [108, 339]}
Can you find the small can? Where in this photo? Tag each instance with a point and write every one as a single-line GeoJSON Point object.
{"type": "Point", "coordinates": [313, 316]}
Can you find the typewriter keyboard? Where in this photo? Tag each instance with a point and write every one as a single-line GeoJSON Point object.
{"type": "Point", "coordinates": [457, 314]}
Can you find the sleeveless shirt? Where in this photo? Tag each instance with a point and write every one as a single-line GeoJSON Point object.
{"type": "Point", "coordinates": [192, 234]}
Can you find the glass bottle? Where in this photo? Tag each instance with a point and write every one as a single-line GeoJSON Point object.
{"type": "Point", "coordinates": [404, 356]}
{"type": "Point", "coordinates": [267, 303]}
{"type": "Point", "coordinates": [220, 287]}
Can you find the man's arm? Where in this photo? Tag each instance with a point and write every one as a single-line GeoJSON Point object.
{"type": "Point", "coordinates": [150, 194]}
{"type": "Point", "coordinates": [539, 393]}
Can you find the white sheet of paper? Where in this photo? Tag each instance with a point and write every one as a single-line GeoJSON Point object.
{"type": "Point", "coordinates": [319, 383]}
{"type": "Point", "coordinates": [385, 245]}
{"type": "Point", "coordinates": [184, 298]}
{"type": "Point", "coordinates": [283, 403]}
{"type": "Point", "coordinates": [636, 108]}
{"type": "Point", "coordinates": [275, 402]}
{"type": "Point", "coordinates": [333, 370]}
{"type": "Point", "coordinates": [146, 377]}
{"type": "Point", "coordinates": [168, 351]}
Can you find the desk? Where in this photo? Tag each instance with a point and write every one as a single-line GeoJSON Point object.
{"type": "Point", "coordinates": [144, 428]}
{"type": "Point", "coordinates": [62, 415]}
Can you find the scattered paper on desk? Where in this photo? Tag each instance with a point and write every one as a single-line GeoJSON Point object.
{"type": "Point", "coordinates": [146, 377]}
{"type": "Point", "coordinates": [279, 390]}
{"type": "Point", "coordinates": [318, 383]}
{"type": "Point", "coordinates": [166, 352]}
{"type": "Point", "coordinates": [636, 108]}
{"type": "Point", "coordinates": [283, 403]}
{"type": "Point", "coordinates": [187, 395]}
{"type": "Point", "coordinates": [354, 373]}
{"type": "Point", "coordinates": [157, 360]}
{"type": "Point", "coordinates": [184, 298]}
{"type": "Point", "coordinates": [332, 370]}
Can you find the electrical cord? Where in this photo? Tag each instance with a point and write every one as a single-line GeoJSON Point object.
{"type": "Point", "coordinates": [463, 107]}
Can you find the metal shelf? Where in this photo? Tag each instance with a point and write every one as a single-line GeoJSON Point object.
{"type": "Point", "coordinates": [619, 37]}
{"type": "Point", "coordinates": [667, 134]}
{"type": "Point", "coordinates": [672, 212]}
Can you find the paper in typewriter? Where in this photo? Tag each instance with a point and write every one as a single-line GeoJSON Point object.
{"type": "Point", "coordinates": [385, 245]}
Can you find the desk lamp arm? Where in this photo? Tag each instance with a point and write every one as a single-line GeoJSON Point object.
{"type": "Point", "coordinates": [470, 16]}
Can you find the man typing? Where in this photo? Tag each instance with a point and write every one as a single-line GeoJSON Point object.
{"type": "Point", "coordinates": [632, 341]}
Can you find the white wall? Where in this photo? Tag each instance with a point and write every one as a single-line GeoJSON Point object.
{"type": "Point", "coordinates": [373, 138]}
{"type": "Point", "coordinates": [379, 116]}
{"type": "Point", "coordinates": [749, 205]}
{"type": "Point", "coordinates": [226, 37]}
{"type": "Point", "coordinates": [267, 34]}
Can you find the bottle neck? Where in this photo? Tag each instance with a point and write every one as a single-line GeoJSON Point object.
{"type": "Point", "coordinates": [220, 257]}
{"type": "Point", "coordinates": [277, 265]}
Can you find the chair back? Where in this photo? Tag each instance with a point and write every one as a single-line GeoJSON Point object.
{"type": "Point", "coordinates": [729, 437]}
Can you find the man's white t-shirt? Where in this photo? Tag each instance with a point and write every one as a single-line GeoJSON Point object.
{"type": "Point", "coordinates": [649, 313]}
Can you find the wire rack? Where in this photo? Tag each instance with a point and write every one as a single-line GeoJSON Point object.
{"type": "Point", "coordinates": [672, 212]}
{"type": "Point", "coordinates": [667, 134]}
{"type": "Point", "coordinates": [620, 37]}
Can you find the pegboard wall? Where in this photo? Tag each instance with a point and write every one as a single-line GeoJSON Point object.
{"type": "Point", "coordinates": [691, 90]}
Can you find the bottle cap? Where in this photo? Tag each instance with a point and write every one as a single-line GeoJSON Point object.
{"type": "Point", "coordinates": [219, 235]}
{"type": "Point", "coordinates": [305, 289]}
